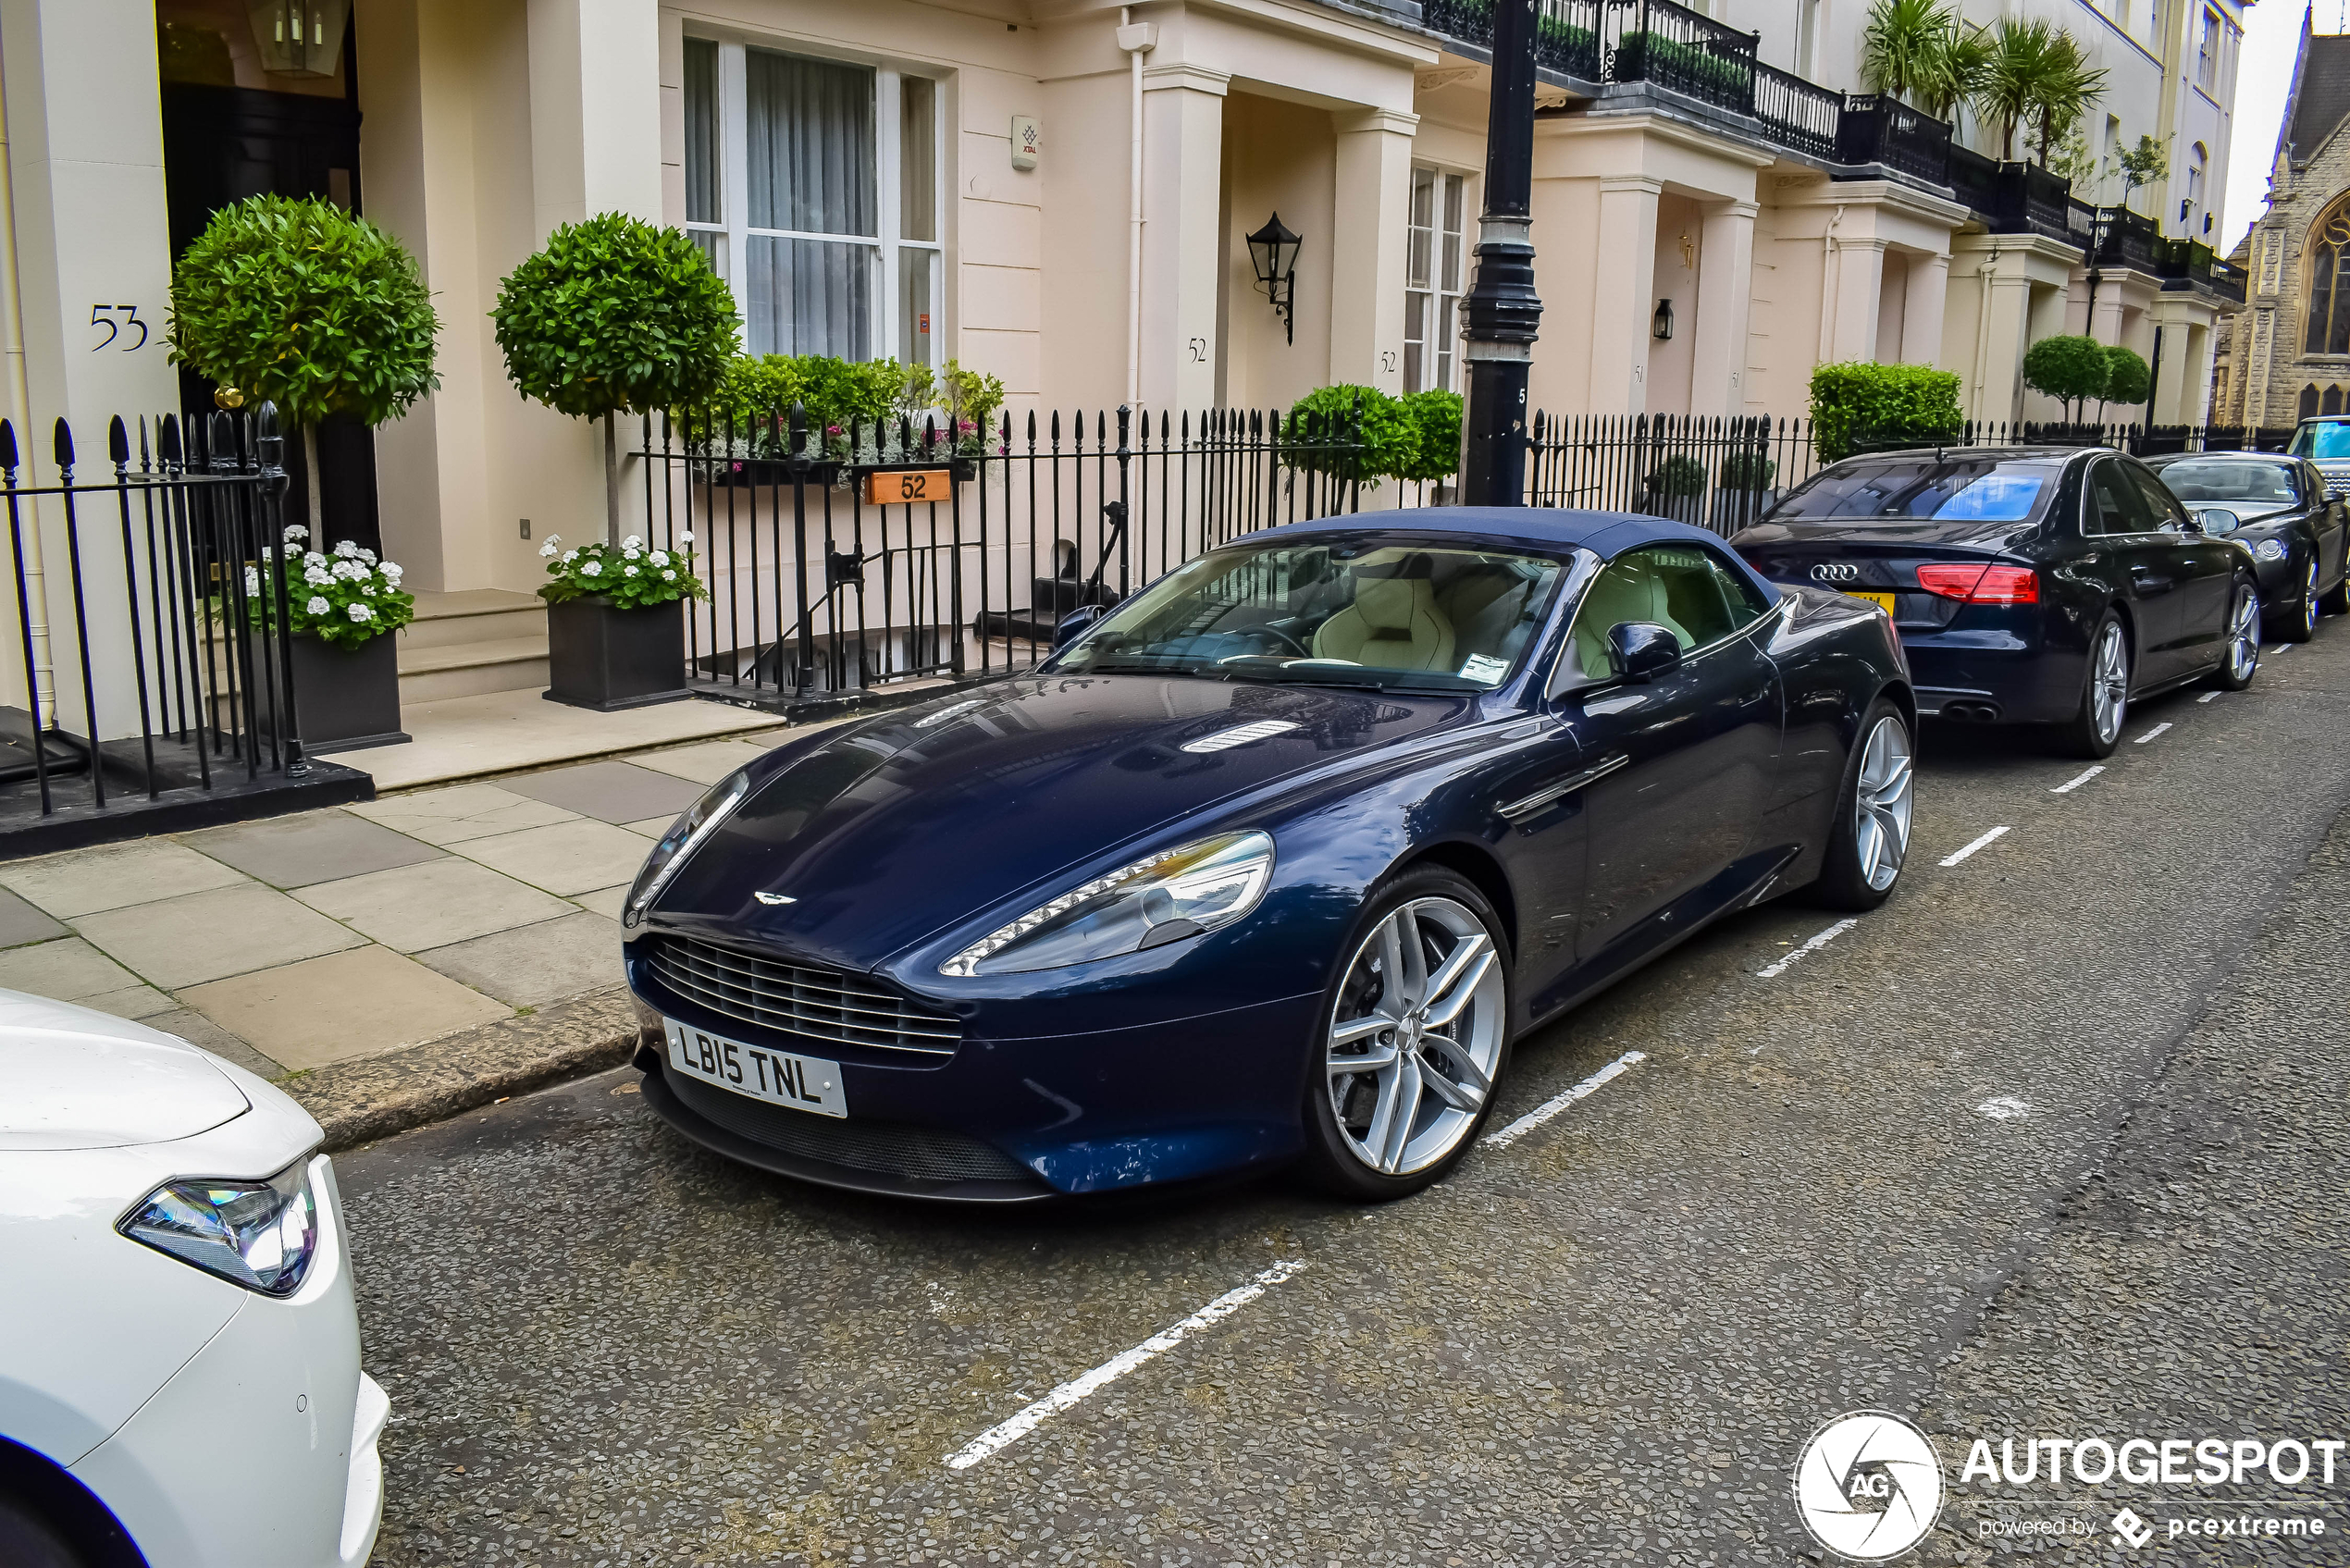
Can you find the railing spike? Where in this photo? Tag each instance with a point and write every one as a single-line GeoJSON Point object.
{"type": "Point", "coordinates": [8, 449]}
{"type": "Point", "coordinates": [61, 447]}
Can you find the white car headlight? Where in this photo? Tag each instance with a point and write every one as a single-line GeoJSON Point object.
{"type": "Point", "coordinates": [2270, 549]}
{"type": "Point", "coordinates": [260, 1234]}
{"type": "Point", "coordinates": [1158, 899]}
{"type": "Point", "coordinates": [685, 836]}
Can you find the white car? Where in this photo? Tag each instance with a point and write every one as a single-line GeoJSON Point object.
{"type": "Point", "coordinates": [180, 1377]}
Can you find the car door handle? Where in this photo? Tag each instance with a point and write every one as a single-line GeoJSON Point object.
{"type": "Point", "coordinates": [1527, 805]}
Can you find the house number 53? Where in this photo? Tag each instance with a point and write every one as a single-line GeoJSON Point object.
{"type": "Point", "coordinates": [117, 320]}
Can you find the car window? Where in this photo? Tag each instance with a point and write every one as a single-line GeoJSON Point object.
{"type": "Point", "coordinates": [1921, 489]}
{"type": "Point", "coordinates": [1680, 587]}
{"type": "Point", "coordinates": [2233, 481]}
{"type": "Point", "coordinates": [1746, 600]}
{"type": "Point", "coordinates": [2321, 441]}
{"type": "Point", "coordinates": [2169, 515]}
{"type": "Point", "coordinates": [1361, 610]}
{"type": "Point", "coordinates": [2114, 505]}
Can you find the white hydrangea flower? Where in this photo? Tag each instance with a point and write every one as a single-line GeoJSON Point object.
{"type": "Point", "coordinates": [317, 605]}
{"type": "Point", "coordinates": [361, 614]}
{"type": "Point", "coordinates": [686, 538]}
{"type": "Point", "coordinates": [659, 558]}
{"type": "Point", "coordinates": [570, 556]}
{"type": "Point", "coordinates": [669, 576]}
{"type": "Point", "coordinates": [367, 588]}
{"type": "Point", "coordinates": [393, 572]}
{"type": "Point", "coordinates": [633, 542]}
{"type": "Point", "coordinates": [591, 569]}
{"type": "Point", "coordinates": [628, 554]}
{"type": "Point", "coordinates": [347, 548]}
{"type": "Point", "coordinates": [350, 571]}
{"type": "Point", "coordinates": [296, 531]}
{"type": "Point", "coordinates": [368, 556]}
{"type": "Point", "coordinates": [317, 578]}
{"type": "Point", "coordinates": [546, 549]}
{"type": "Point", "coordinates": [630, 572]}
{"type": "Point", "coordinates": [252, 581]}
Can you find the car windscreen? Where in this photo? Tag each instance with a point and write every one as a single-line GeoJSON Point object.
{"type": "Point", "coordinates": [1923, 489]}
{"type": "Point", "coordinates": [2262, 487]}
{"type": "Point", "coordinates": [2321, 441]}
{"type": "Point", "coordinates": [1333, 613]}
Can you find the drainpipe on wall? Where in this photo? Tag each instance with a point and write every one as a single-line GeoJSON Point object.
{"type": "Point", "coordinates": [1982, 334]}
{"type": "Point", "coordinates": [1827, 285]}
{"type": "Point", "coordinates": [1137, 40]}
{"type": "Point", "coordinates": [18, 393]}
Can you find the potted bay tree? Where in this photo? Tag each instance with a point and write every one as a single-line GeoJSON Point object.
{"type": "Point", "coordinates": [616, 316]}
{"type": "Point", "coordinates": [295, 301]}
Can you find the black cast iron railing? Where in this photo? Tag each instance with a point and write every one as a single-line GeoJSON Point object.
{"type": "Point", "coordinates": [1672, 46]}
{"type": "Point", "coordinates": [1876, 128]}
{"type": "Point", "coordinates": [2125, 240]}
{"type": "Point", "coordinates": [1796, 113]}
{"type": "Point", "coordinates": [135, 668]}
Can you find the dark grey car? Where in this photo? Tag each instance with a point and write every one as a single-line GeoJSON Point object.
{"type": "Point", "coordinates": [2277, 506]}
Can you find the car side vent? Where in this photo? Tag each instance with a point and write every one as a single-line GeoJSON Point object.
{"type": "Point", "coordinates": [1224, 740]}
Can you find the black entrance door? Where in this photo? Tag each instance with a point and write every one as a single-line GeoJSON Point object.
{"type": "Point", "coordinates": [221, 144]}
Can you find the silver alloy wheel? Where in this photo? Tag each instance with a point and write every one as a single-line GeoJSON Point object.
{"type": "Point", "coordinates": [2244, 634]}
{"type": "Point", "coordinates": [1881, 804]}
{"type": "Point", "coordinates": [2109, 683]}
{"type": "Point", "coordinates": [2309, 599]}
{"type": "Point", "coordinates": [1415, 1036]}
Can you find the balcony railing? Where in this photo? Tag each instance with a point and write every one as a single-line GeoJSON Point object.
{"type": "Point", "coordinates": [1796, 112]}
{"type": "Point", "coordinates": [1670, 45]}
{"type": "Point", "coordinates": [1877, 129]}
{"type": "Point", "coordinates": [1566, 33]}
{"type": "Point", "coordinates": [2190, 263]}
{"type": "Point", "coordinates": [2125, 240]}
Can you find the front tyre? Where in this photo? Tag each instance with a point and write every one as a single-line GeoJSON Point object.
{"type": "Point", "coordinates": [1414, 1034]}
{"type": "Point", "coordinates": [1871, 837]}
{"type": "Point", "coordinates": [2095, 726]}
{"type": "Point", "coordinates": [2298, 620]}
{"type": "Point", "coordinates": [2242, 660]}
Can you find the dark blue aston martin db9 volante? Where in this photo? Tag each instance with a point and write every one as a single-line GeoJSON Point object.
{"type": "Point", "coordinates": [1272, 861]}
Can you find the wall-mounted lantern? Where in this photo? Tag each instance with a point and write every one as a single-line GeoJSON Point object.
{"type": "Point", "coordinates": [299, 37]}
{"type": "Point", "coordinates": [1273, 250]}
{"type": "Point", "coordinates": [1663, 323]}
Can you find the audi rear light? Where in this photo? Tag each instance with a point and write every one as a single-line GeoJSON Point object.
{"type": "Point", "coordinates": [1981, 584]}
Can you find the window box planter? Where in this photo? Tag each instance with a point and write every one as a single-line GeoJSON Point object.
{"type": "Point", "coordinates": [345, 699]}
{"type": "Point", "coordinates": [602, 656]}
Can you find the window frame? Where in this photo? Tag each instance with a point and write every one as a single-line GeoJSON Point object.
{"type": "Point", "coordinates": [2207, 52]}
{"type": "Point", "coordinates": [1438, 364]}
{"type": "Point", "coordinates": [728, 240]}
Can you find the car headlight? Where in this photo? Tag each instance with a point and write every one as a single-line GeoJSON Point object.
{"type": "Point", "coordinates": [260, 1234]}
{"type": "Point", "coordinates": [685, 836]}
{"type": "Point", "coordinates": [2270, 549]}
{"type": "Point", "coordinates": [1158, 899]}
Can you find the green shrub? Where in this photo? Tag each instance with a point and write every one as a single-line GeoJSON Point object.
{"type": "Point", "coordinates": [2128, 379]}
{"type": "Point", "coordinates": [1651, 56]}
{"type": "Point", "coordinates": [612, 316]}
{"type": "Point", "coordinates": [2073, 370]}
{"type": "Point", "coordinates": [1560, 39]}
{"type": "Point", "coordinates": [1438, 455]}
{"type": "Point", "coordinates": [1860, 401]}
{"type": "Point", "coordinates": [1747, 471]}
{"type": "Point", "coordinates": [299, 303]}
{"type": "Point", "coordinates": [1323, 419]}
{"type": "Point", "coordinates": [1677, 478]}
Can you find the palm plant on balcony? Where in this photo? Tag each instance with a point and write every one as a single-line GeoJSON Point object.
{"type": "Point", "coordinates": [1901, 47]}
{"type": "Point", "coordinates": [2071, 88]}
{"type": "Point", "coordinates": [2016, 72]}
{"type": "Point", "coordinates": [1955, 71]}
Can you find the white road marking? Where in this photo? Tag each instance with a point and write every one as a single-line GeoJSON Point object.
{"type": "Point", "coordinates": [1971, 848]}
{"type": "Point", "coordinates": [1001, 1437]}
{"type": "Point", "coordinates": [2069, 785]}
{"type": "Point", "coordinates": [2004, 1107]}
{"type": "Point", "coordinates": [1558, 1103]}
{"type": "Point", "coordinates": [2154, 732]}
{"type": "Point", "coordinates": [2211, 697]}
{"type": "Point", "coordinates": [1812, 946]}
{"type": "Point", "coordinates": [2276, 648]}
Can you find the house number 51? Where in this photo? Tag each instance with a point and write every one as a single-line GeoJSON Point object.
{"type": "Point", "coordinates": [105, 315]}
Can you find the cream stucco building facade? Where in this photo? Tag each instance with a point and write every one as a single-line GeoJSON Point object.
{"type": "Point", "coordinates": [934, 182]}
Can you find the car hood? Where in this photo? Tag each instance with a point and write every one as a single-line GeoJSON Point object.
{"type": "Point", "coordinates": [881, 834]}
{"type": "Point", "coordinates": [73, 1079]}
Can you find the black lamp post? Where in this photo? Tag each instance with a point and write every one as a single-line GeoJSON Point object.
{"type": "Point", "coordinates": [1502, 308]}
{"type": "Point", "coordinates": [1273, 250]}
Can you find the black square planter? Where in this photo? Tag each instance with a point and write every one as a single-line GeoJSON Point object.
{"type": "Point", "coordinates": [602, 656]}
{"type": "Point", "coordinates": [344, 698]}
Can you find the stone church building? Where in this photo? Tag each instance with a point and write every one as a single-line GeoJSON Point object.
{"type": "Point", "coordinates": [2288, 356]}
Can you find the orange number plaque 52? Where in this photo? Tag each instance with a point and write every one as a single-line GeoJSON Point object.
{"type": "Point", "coordinates": [906, 485]}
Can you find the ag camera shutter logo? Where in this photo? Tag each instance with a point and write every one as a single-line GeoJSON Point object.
{"type": "Point", "coordinates": [1868, 1485]}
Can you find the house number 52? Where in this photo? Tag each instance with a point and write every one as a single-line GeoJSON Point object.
{"type": "Point", "coordinates": [106, 316]}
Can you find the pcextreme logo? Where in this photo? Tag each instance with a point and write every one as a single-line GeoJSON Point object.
{"type": "Point", "coordinates": [1868, 1485]}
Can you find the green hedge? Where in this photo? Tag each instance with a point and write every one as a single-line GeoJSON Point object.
{"type": "Point", "coordinates": [1414, 437]}
{"type": "Point", "coordinates": [1877, 403]}
{"type": "Point", "coordinates": [1651, 56]}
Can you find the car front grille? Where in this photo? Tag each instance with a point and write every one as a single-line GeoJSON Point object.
{"type": "Point", "coordinates": [815, 1004]}
{"type": "Point", "coordinates": [925, 1153]}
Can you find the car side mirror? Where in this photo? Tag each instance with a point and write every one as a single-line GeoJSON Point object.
{"type": "Point", "coordinates": [1641, 651]}
{"type": "Point", "coordinates": [2214, 520]}
{"type": "Point", "coordinates": [1071, 627]}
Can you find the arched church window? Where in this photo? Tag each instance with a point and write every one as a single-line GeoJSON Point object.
{"type": "Point", "coordinates": [2331, 401]}
{"type": "Point", "coordinates": [2309, 408]}
{"type": "Point", "coordinates": [2329, 252]}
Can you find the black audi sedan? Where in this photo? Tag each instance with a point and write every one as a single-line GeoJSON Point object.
{"type": "Point", "coordinates": [2031, 586]}
{"type": "Point", "coordinates": [2277, 505]}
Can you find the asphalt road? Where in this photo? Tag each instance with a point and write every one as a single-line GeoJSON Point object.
{"type": "Point", "coordinates": [2052, 1145]}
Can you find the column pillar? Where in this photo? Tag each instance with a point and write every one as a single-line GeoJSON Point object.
{"type": "Point", "coordinates": [1182, 233]}
{"type": "Point", "coordinates": [1924, 306]}
{"type": "Point", "coordinates": [595, 110]}
{"type": "Point", "coordinates": [2186, 370]}
{"type": "Point", "coordinates": [2105, 315]}
{"type": "Point", "coordinates": [1859, 287]}
{"type": "Point", "coordinates": [1724, 293]}
{"type": "Point", "coordinates": [1622, 295]}
{"type": "Point", "coordinates": [1368, 239]}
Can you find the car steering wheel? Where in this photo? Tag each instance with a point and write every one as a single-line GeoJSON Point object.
{"type": "Point", "coordinates": [1295, 646]}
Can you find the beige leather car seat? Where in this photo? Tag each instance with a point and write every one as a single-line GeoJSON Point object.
{"type": "Point", "coordinates": [1631, 589]}
{"type": "Point", "coordinates": [1393, 624]}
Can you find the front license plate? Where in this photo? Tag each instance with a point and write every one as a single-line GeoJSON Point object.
{"type": "Point", "coordinates": [1883, 601]}
{"type": "Point", "coordinates": [780, 1077]}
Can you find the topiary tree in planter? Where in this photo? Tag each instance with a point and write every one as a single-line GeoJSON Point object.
{"type": "Point", "coordinates": [2072, 369]}
{"type": "Point", "coordinates": [298, 302]}
{"type": "Point", "coordinates": [615, 316]}
{"type": "Point", "coordinates": [1860, 402]}
{"type": "Point", "coordinates": [2128, 379]}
